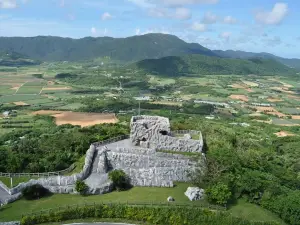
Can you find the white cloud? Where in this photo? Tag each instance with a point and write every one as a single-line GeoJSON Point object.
{"type": "Point", "coordinates": [199, 27]}
{"type": "Point", "coordinates": [159, 12]}
{"type": "Point", "coordinates": [93, 30]}
{"type": "Point", "coordinates": [182, 14]}
{"type": "Point", "coordinates": [105, 31]}
{"type": "Point", "coordinates": [179, 13]}
{"type": "Point", "coordinates": [62, 3]}
{"type": "Point", "coordinates": [71, 16]}
{"type": "Point", "coordinates": [225, 35]}
{"type": "Point", "coordinates": [272, 42]}
{"type": "Point", "coordinates": [8, 4]}
{"type": "Point", "coordinates": [106, 16]}
{"type": "Point", "coordinates": [186, 2]}
{"type": "Point", "coordinates": [229, 20]}
{"type": "Point", "coordinates": [137, 31]}
{"type": "Point", "coordinates": [209, 18]}
{"type": "Point", "coordinates": [153, 3]}
{"type": "Point", "coordinates": [273, 17]}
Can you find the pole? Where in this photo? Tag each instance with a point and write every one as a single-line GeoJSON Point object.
{"type": "Point", "coordinates": [11, 182]}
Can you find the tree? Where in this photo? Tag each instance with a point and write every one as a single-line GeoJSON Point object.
{"type": "Point", "coordinates": [81, 187]}
{"type": "Point", "coordinates": [35, 191]}
{"type": "Point", "coordinates": [218, 193]}
{"type": "Point", "coordinates": [119, 179]}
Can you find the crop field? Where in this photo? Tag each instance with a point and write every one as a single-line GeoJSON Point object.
{"type": "Point", "coordinates": [284, 122]}
{"type": "Point", "coordinates": [17, 98]}
{"type": "Point", "coordinates": [161, 81]}
{"type": "Point", "coordinates": [29, 90]}
{"type": "Point", "coordinates": [81, 119]}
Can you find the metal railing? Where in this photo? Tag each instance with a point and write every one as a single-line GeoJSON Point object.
{"type": "Point", "coordinates": [45, 174]}
{"type": "Point", "coordinates": [62, 172]}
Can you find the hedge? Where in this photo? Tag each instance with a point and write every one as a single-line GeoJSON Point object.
{"type": "Point", "coordinates": [160, 215]}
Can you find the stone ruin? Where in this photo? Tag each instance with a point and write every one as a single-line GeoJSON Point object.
{"type": "Point", "coordinates": [139, 156]}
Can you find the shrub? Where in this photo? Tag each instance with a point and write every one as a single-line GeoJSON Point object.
{"type": "Point", "coordinates": [35, 191]}
{"type": "Point", "coordinates": [120, 179]}
{"type": "Point", "coordinates": [81, 187]}
{"type": "Point", "coordinates": [218, 193]}
{"type": "Point", "coordinates": [160, 215]}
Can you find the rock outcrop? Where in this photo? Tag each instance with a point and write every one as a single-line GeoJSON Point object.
{"type": "Point", "coordinates": [194, 193]}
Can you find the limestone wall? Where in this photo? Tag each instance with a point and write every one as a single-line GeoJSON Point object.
{"type": "Point", "coordinates": [60, 184]}
{"type": "Point", "coordinates": [154, 132]}
{"type": "Point", "coordinates": [145, 167]}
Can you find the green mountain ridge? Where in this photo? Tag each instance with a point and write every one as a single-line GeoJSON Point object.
{"type": "Point", "coordinates": [200, 64]}
{"type": "Point", "coordinates": [293, 62]}
{"type": "Point", "coordinates": [130, 49]}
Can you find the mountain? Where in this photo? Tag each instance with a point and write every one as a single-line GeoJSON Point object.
{"type": "Point", "coordinates": [293, 63]}
{"type": "Point", "coordinates": [135, 48]}
{"type": "Point", "coordinates": [16, 59]}
{"type": "Point", "coordinates": [203, 65]}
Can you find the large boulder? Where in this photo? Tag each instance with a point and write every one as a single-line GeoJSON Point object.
{"type": "Point", "coordinates": [194, 193]}
{"type": "Point", "coordinates": [170, 199]}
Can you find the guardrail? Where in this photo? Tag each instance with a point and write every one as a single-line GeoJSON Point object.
{"type": "Point", "coordinates": [133, 204]}
{"type": "Point", "coordinates": [46, 174]}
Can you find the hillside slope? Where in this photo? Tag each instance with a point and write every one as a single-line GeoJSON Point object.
{"type": "Point", "coordinates": [205, 65]}
{"type": "Point", "coordinates": [16, 59]}
{"type": "Point", "coordinates": [294, 63]}
{"type": "Point", "coordinates": [128, 49]}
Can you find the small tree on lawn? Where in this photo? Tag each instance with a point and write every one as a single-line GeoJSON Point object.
{"type": "Point", "coordinates": [81, 187]}
{"type": "Point", "coordinates": [119, 179]}
{"type": "Point", "coordinates": [218, 193]}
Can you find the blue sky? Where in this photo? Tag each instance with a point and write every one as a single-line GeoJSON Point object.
{"type": "Point", "coordinates": [248, 25]}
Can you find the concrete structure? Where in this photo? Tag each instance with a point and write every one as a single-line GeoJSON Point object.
{"type": "Point", "coordinates": [139, 156]}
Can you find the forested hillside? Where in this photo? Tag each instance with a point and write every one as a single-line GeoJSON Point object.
{"type": "Point", "coordinates": [16, 59]}
{"type": "Point", "coordinates": [294, 63]}
{"type": "Point", "coordinates": [48, 48]}
{"type": "Point", "coordinates": [199, 64]}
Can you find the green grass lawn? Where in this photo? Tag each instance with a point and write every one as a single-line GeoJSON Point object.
{"type": "Point", "coordinates": [14, 210]}
{"type": "Point", "coordinates": [253, 212]}
{"type": "Point", "coordinates": [154, 195]}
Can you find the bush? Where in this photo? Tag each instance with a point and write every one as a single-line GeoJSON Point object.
{"type": "Point", "coordinates": [81, 187]}
{"type": "Point", "coordinates": [218, 193]}
{"type": "Point", "coordinates": [34, 192]}
{"type": "Point", "coordinates": [160, 215]}
{"type": "Point", "coordinates": [120, 179]}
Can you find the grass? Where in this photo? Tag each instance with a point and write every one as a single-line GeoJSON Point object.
{"type": "Point", "coordinates": [16, 180]}
{"type": "Point", "coordinates": [30, 90]}
{"type": "Point", "coordinates": [157, 195]}
{"type": "Point", "coordinates": [253, 212]}
{"type": "Point", "coordinates": [161, 81]}
{"type": "Point", "coordinates": [36, 83]}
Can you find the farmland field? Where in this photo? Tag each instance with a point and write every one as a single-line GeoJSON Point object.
{"type": "Point", "coordinates": [81, 119]}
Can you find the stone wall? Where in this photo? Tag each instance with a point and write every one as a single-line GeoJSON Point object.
{"type": "Point", "coordinates": [61, 184]}
{"type": "Point", "coordinates": [154, 132]}
{"type": "Point", "coordinates": [146, 167]}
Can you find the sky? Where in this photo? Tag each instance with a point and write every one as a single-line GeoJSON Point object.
{"type": "Point", "coordinates": [248, 25]}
